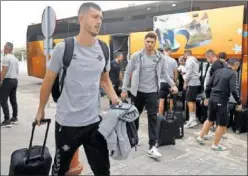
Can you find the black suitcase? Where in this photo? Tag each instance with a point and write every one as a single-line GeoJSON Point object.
{"type": "Point", "coordinates": [240, 122]}
{"type": "Point", "coordinates": [231, 112]}
{"type": "Point", "coordinates": [166, 130]}
{"type": "Point", "coordinates": [36, 160]}
{"type": "Point", "coordinates": [179, 116]}
{"type": "Point", "coordinates": [170, 127]}
{"type": "Point", "coordinates": [201, 109]}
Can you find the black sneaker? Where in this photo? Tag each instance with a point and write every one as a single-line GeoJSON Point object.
{"type": "Point", "coordinates": [6, 123]}
{"type": "Point", "coordinates": [14, 120]}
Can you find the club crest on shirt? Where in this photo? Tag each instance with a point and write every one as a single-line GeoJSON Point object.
{"type": "Point", "coordinates": [99, 58]}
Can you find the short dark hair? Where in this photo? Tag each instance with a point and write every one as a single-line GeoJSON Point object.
{"type": "Point", "coordinates": [151, 35]}
{"type": "Point", "coordinates": [161, 50]}
{"type": "Point", "coordinates": [10, 45]}
{"type": "Point", "coordinates": [118, 53]}
{"type": "Point", "coordinates": [233, 61]}
{"type": "Point", "coordinates": [86, 6]}
{"type": "Point", "coordinates": [222, 55]}
{"type": "Point", "coordinates": [188, 51]}
{"type": "Point", "coordinates": [210, 53]}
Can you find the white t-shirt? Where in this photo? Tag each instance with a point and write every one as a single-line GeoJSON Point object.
{"type": "Point", "coordinates": [182, 70]}
{"type": "Point", "coordinates": [11, 62]}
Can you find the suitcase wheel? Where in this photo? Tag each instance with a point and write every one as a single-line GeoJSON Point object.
{"type": "Point", "coordinates": [237, 131]}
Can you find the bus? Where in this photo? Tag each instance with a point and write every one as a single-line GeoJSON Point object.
{"type": "Point", "coordinates": [124, 29]}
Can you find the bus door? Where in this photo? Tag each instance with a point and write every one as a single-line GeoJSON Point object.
{"type": "Point", "coordinates": [120, 43]}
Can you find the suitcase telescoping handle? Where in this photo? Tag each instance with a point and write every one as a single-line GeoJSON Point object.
{"type": "Point", "coordinates": [48, 121]}
{"type": "Point", "coordinates": [120, 105]}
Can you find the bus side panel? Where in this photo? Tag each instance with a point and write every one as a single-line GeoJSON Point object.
{"type": "Point", "coordinates": [244, 84]}
{"type": "Point", "coordinates": [104, 38]}
{"type": "Point", "coordinates": [137, 41]}
{"type": "Point", "coordinates": [56, 41]}
{"type": "Point", "coordinates": [202, 30]}
{"type": "Point", "coordinates": [36, 59]}
{"type": "Point", "coordinates": [245, 39]}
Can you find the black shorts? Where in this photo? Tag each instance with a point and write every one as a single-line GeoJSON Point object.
{"type": "Point", "coordinates": [164, 90]}
{"type": "Point", "coordinates": [218, 112]}
{"type": "Point", "coordinates": [192, 93]}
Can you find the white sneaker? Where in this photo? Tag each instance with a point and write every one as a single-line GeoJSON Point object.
{"type": "Point", "coordinates": [200, 140]}
{"type": "Point", "coordinates": [187, 124]}
{"type": "Point", "coordinates": [208, 137]}
{"type": "Point", "coordinates": [192, 124]}
{"type": "Point", "coordinates": [218, 148]}
{"type": "Point", "coordinates": [153, 153]}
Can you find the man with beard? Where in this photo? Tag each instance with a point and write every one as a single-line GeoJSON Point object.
{"type": "Point", "coordinates": [77, 115]}
{"type": "Point", "coordinates": [146, 66]}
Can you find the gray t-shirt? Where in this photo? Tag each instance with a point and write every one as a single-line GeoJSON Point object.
{"type": "Point", "coordinates": [79, 103]}
{"type": "Point", "coordinates": [171, 66]}
{"type": "Point", "coordinates": [11, 62]}
{"type": "Point", "coordinates": [148, 79]}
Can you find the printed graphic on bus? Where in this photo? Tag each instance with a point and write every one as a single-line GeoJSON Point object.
{"type": "Point", "coordinates": [201, 30]}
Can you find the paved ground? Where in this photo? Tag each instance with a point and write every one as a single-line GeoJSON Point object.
{"type": "Point", "coordinates": [185, 158]}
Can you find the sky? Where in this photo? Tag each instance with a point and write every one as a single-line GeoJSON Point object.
{"type": "Point", "coordinates": [17, 15]}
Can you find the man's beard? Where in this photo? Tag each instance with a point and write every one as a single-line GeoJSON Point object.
{"type": "Point", "coordinates": [149, 49]}
{"type": "Point", "coordinates": [93, 34]}
{"type": "Point", "coordinates": [88, 29]}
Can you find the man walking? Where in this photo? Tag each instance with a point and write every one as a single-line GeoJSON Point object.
{"type": "Point", "coordinates": [218, 90]}
{"type": "Point", "coordinates": [215, 64]}
{"type": "Point", "coordinates": [164, 86]}
{"type": "Point", "coordinates": [9, 74]}
{"type": "Point", "coordinates": [77, 114]}
{"type": "Point", "coordinates": [147, 66]}
{"type": "Point", "coordinates": [115, 70]}
{"type": "Point", "coordinates": [192, 86]}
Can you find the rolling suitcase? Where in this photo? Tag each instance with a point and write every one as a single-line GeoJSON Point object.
{"type": "Point", "coordinates": [179, 116]}
{"type": "Point", "coordinates": [170, 127]}
{"type": "Point", "coordinates": [240, 122]}
{"type": "Point", "coordinates": [201, 109]}
{"type": "Point", "coordinates": [36, 160]}
{"type": "Point", "coordinates": [166, 130]}
{"type": "Point", "coordinates": [231, 112]}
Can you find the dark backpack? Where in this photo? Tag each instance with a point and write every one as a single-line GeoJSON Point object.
{"type": "Point", "coordinates": [68, 53]}
{"type": "Point", "coordinates": [132, 132]}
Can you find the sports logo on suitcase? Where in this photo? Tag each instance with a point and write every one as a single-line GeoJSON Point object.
{"type": "Point", "coordinates": [35, 160]}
